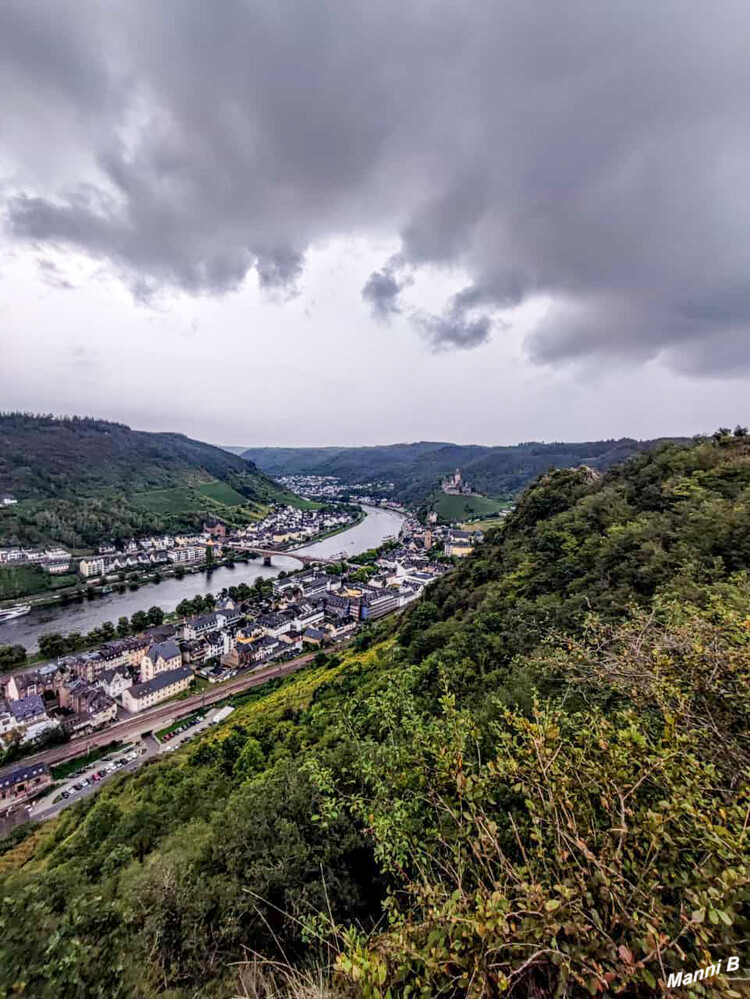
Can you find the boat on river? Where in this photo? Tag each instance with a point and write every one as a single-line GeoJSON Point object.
{"type": "Point", "coordinates": [18, 610]}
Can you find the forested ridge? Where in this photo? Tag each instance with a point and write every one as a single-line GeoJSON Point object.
{"type": "Point", "coordinates": [80, 481]}
{"type": "Point", "coordinates": [415, 469]}
{"type": "Point", "coordinates": [534, 784]}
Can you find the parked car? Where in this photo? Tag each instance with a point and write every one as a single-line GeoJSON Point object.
{"type": "Point", "coordinates": [65, 794]}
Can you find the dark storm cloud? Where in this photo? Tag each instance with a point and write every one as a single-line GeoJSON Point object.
{"type": "Point", "coordinates": [382, 291]}
{"type": "Point", "coordinates": [463, 323]}
{"type": "Point", "coordinates": [455, 330]}
{"type": "Point", "coordinates": [592, 153]}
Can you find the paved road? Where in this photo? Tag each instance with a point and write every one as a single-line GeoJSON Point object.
{"type": "Point", "coordinates": [163, 715]}
{"type": "Point", "coordinates": [44, 809]}
{"type": "Point", "coordinates": [53, 803]}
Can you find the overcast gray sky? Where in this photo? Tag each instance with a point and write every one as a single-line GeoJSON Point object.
{"type": "Point", "coordinates": [313, 222]}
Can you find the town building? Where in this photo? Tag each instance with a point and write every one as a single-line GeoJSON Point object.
{"type": "Point", "coordinates": [459, 544]}
{"type": "Point", "coordinates": [286, 584]}
{"type": "Point", "coordinates": [115, 681]}
{"type": "Point", "coordinates": [164, 685]}
{"type": "Point", "coordinates": [215, 528]}
{"type": "Point", "coordinates": [29, 711]}
{"type": "Point", "coordinates": [203, 624]}
{"type": "Point", "coordinates": [375, 605]}
{"type": "Point", "coordinates": [91, 567]}
{"type": "Point", "coordinates": [23, 782]}
{"type": "Point", "coordinates": [274, 625]}
{"type": "Point", "coordinates": [21, 685]}
{"type": "Point", "coordinates": [7, 718]}
{"type": "Point", "coordinates": [89, 707]}
{"type": "Point", "coordinates": [340, 628]}
{"type": "Point", "coordinates": [306, 616]}
{"type": "Point", "coordinates": [160, 658]}
{"type": "Point", "coordinates": [313, 636]}
{"type": "Point", "coordinates": [186, 555]}
{"type": "Point", "coordinates": [240, 657]}
{"type": "Point", "coordinates": [56, 567]}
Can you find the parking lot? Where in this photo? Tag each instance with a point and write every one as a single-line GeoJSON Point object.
{"type": "Point", "coordinates": [86, 781]}
{"type": "Point", "coordinates": [192, 727]}
{"type": "Point", "coordinates": [95, 773]}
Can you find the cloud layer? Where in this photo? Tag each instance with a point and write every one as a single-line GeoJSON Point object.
{"type": "Point", "coordinates": [592, 153]}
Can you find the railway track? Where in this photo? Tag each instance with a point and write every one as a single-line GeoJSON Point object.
{"type": "Point", "coordinates": [160, 716]}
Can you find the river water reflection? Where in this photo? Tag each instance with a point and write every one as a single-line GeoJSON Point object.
{"type": "Point", "coordinates": [372, 531]}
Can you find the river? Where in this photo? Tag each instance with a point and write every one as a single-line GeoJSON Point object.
{"type": "Point", "coordinates": [369, 533]}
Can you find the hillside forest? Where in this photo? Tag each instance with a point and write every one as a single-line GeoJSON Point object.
{"type": "Point", "coordinates": [416, 469]}
{"type": "Point", "coordinates": [80, 482]}
{"type": "Point", "coordinates": [532, 784]}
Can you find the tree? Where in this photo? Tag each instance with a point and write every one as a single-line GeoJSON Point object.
{"type": "Point", "coordinates": [123, 627]}
{"type": "Point", "coordinates": [184, 608]}
{"type": "Point", "coordinates": [155, 615]}
{"type": "Point", "coordinates": [52, 645]}
{"type": "Point", "coordinates": [250, 761]}
{"type": "Point", "coordinates": [139, 621]}
{"type": "Point", "coordinates": [76, 641]}
{"type": "Point", "coordinates": [11, 656]}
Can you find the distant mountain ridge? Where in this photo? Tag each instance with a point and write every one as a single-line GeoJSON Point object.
{"type": "Point", "coordinates": [79, 481]}
{"type": "Point", "coordinates": [416, 468]}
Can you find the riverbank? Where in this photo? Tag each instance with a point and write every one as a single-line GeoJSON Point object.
{"type": "Point", "coordinates": [329, 534]}
{"type": "Point", "coordinates": [134, 580]}
{"type": "Point", "coordinates": [83, 614]}
{"type": "Point", "coordinates": [43, 590]}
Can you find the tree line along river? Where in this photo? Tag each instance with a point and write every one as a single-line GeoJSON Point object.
{"type": "Point", "coordinates": [371, 532]}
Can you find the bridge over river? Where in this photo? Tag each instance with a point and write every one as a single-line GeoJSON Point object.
{"type": "Point", "coordinates": [379, 525]}
{"type": "Point", "coordinates": [268, 554]}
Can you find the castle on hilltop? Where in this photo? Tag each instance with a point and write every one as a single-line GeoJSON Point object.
{"type": "Point", "coordinates": [454, 485]}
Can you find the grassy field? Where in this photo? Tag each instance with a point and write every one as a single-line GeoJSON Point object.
{"type": "Point", "coordinates": [487, 524]}
{"type": "Point", "coordinates": [291, 499]}
{"type": "Point", "coordinates": [450, 508]}
{"type": "Point", "coordinates": [26, 580]}
{"type": "Point", "coordinates": [222, 492]}
{"type": "Point", "coordinates": [217, 497]}
{"type": "Point", "coordinates": [178, 499]}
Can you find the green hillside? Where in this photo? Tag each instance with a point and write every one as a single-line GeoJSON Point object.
{"type": "Point", "coordinates": [451, 507]}
{"type": "Point", "coordinates": [415, 469]}
{"type": "Point", "coordinates": [533, 784]}
{"type": "Point", "coordinates": [82, 481]}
